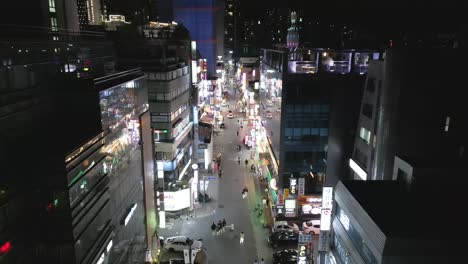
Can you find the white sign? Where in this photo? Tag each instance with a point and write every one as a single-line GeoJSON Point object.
{"type": "Point", "coordinates": [194, 71]}
{"type": "Point", "coordinates": [174, 201]}
{"type": "Point", "coordinates": [204, 187]}
{"type": "Point", "coordinates": [325, 220]}
{"type": "Point", "coordinates": [130, 214]}
{"type": "Point", "coordinates": [292, 186]}
{"type": "Point", "coordinates": [327, 198]}
{"type": "Point", "coordinates": [290, 206]}
{"type": "Point", "coordinates": [301, 186]}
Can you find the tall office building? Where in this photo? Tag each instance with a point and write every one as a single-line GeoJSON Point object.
{"type": "Point", "coordinates": [231, 18]}
{"type": "Point", "coordinates": [410, 111]}
{"type": "Point", "coordinates": [54, 15]}
{"type": "Point", "coordinates": [73, 138]}
{"type": "Point", "coordinates": [319, 92]}
{"type": "Point", "coordinates": [199, 17]}
{"type": "Point", "coordinates": [90, 13]}
{"type": "Point", "coordinates": [370, 225]}
{"type": "Point", "coordinates": [163, 53]}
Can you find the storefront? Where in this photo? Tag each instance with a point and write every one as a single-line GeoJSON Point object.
{"type": "Point", "coordinates": [310, 206]}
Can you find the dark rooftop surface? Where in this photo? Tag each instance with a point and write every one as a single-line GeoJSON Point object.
{"type": "Point", "coordinates": [432, 211]}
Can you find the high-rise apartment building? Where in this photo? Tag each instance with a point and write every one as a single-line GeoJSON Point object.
{"type": "Point", "coordinates": [409, 112]}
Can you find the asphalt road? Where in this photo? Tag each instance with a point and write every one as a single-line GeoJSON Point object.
{"type": "Point", "coordinates": [228, 203]}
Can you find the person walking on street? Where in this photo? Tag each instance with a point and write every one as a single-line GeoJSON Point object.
{"type": "Point", "coordinates": [213, 229]}
{"type": "Point", "coordinates": [246, 163]}
{"type": "Point", "coordinates": [262, 261]}
{"type": "Point", "coordinates": [224, 224]}
{"type": "Point", "coordinates": [237, 132]}
{"type": "Point", "coordinates": [238, 160]}
{"type": "Point", "coordinates": [244, 192]}
{"type": "Point", "coordinates": [255, 262]}
{"type": "Point", "coordinates": [241, 240]}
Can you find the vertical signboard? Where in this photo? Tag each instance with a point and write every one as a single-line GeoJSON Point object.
{"type": "Point", "coordinates": [327, 197]}
{"type": "Point", "coordinates": [304, 249]}
{"type": "Point", "coordinates": [290, 206]}
{"type": "Point", "coordinates": [301, 186]}
{"type": "Point", "coordinates": [325, 220]}
{"type": "Point", "coordinates": [293, 186]}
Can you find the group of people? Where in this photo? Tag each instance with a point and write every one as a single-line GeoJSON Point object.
{"type": "Point", "coordinates": [219, 228]}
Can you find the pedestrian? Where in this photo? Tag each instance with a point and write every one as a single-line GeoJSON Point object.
{"type": "Point", "coordinates": [246, 163]}
{"type": "Point", "coordinates": [262, 261]}
{"type": "Point", "coordinates": [213, 229]}
{"type": "Point", "coordinates": [255, 262]}
{"type": "Point", "coordinates": [224, 224]}
{"type": "Point", "coordinates": [241, 241]}
{"type": "Point", "coordinates": [220, 227]}
{"type": "Point", "coordinates": [237, 132]}
{"type": "Point", "coordinates": [238, 160]}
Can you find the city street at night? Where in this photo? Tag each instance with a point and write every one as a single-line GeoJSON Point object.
{"type": "Point", "coordinates": [228, 204]}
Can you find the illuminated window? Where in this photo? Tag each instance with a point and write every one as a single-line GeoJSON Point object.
{"type": "Point", "coordinates": [230, 13]}
{"type": "Point", "coordinates": [447, 123]}
{"type": "Point", "coordinates": [365, 134]}
{"type": "Point", "coordinates": [52, 6]}
{"type": "Point", "coordinates": [53, 23]}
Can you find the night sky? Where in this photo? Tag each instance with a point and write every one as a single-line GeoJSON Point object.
{"type": "Point", "coordinates": [391, 14]}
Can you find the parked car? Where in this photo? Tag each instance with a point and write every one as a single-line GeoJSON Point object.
{"type": "Point", "coordinates": [284, 226]}
{"type": "Point", "coordinates": [230, 114]}
{"type": "Point", "coordinates": [179, 243]}
{"type": "Point", "coordinates": [283, 238]}
{"type": "Point", "coordinates": [311, 227]}
{"type": "Point", "coordinates": [269, 114]}
{"type": "Point", "coordinates": [286, 256]}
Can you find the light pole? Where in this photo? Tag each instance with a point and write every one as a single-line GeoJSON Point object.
{"type": "Point", "coordinates": [195, 182]}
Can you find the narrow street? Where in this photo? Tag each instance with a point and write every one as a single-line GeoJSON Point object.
{"type": "Point", "coordinates": [227, 203]}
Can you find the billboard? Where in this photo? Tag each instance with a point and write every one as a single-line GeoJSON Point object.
{"type": "Point", "coordinates": [174, 201]}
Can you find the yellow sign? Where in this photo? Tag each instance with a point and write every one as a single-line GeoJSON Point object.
{"type": "Point", "coordinates": [286, 193]}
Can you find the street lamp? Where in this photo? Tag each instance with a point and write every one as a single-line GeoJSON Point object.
{"type": "Point", "coordinates": [195, 182]}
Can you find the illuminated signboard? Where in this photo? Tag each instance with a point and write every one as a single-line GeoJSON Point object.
{"type": "Point", "coordinates": [327, 198]}
{"type": "Point", "coordinates": [130, 214]}
{"type": "Point", "coordinates": [293, 186]}
{"type": "Point", "coordinates": [290, 207]}
{"type": "Point", "coordinates": [325, 220]}
{"type": "Point", "coordinates": [174, 201]}
{"type": "Point", "coordinates": [194, 72]}
{"type": "Point", "coordinates": [301, 186]}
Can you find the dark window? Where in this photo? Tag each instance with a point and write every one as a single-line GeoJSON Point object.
{"type": "Point", "coordinates": [367, 110]}
{"type": "Point", "coordinates": [360, 157]}
{"type": "Point", "coordinates": [370, 85]}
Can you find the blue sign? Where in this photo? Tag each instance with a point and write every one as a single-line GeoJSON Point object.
{"type": "Point", "coordinates": [210, 178]}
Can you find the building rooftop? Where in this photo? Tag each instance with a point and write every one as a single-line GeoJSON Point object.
{"type": "Point", "coordinates": [422, 210]}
